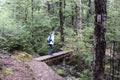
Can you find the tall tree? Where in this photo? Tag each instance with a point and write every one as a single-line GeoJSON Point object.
{"type": "Point", "coordinates": [61, 19]}
{"type": "Point", "coordinates": [89, 9]}
{"type": "Point", "coordinates": [72, 18]}
{"type": "Point", "coordinates": [64, 3]}
{"type": "Point", "coordinates": [32, 8]}
{"type": "Point", "coordinates": [100, 14]}
{"type": "Point", "coordinates": [79, 17]}
{"type": "Point", "coordinates": [64, 10]}
{"type": "Point", "coordinates": [47, 7]}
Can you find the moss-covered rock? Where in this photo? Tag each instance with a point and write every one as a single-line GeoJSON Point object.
{"type": "Point", "coordinates": [22, 56]}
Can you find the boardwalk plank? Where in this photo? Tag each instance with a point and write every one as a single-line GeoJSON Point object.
{"type": "Point", "coordinates": [54, 55]}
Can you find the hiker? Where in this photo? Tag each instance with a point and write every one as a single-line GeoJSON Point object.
{"type": "Point", "coordinates": [50, 41]}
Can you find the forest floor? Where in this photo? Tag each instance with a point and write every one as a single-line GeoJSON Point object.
{"type": "Point", "coordinates": [14, 69]}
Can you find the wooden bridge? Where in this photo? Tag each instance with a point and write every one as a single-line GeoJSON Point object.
{"type": "Point", "coordinates": [54, 56]}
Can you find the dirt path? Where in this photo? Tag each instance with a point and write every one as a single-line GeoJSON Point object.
{"type": "Point", "coordinates": [11, 69]}
{"type": "Point", "coordinates": [42, 71]}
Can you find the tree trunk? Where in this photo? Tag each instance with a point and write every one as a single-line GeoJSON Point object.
{"type": "Point", "coordinates": [64, 11]}
{"type": "Point", "coordinates": [64, 3]}
{"type": "Point", "coordinates": [79, 18]}
{"type": "Point", "coordinates": [89, 11]}
{"type": "Point", "coordinates": [99, 39]}
{"type": "Point", "coordinates": [61, 20]}
{"type": "Point", "coordinates": [32, 12]}
{"type": "Point", "coordinates": [47, 7]}
{"type": "Point", "coordinates": [72, 18]}
{"type": "Point", "coordinates": [26, 13]}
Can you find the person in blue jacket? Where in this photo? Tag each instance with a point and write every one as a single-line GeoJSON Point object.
{"type": "Point", "coordinates": [50, 41]}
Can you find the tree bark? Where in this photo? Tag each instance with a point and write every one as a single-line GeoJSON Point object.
{"type": "Point", "coordinates": [99, 39]}
{"type": "Point", "coordinates": [32, 8]}
{"type": "Point", "coordinates": [89, 9]}
{"type": "Point", "coordinates": [26, 13]}
{"type": "Point", "coordinates": [64, 3]}
{"type": "Point", "coordinates": [79, 18]}
{"type": "Point", "coordinates": [64, 11]}
{"type": "Point", "coordinates": [88, 12]}
{"type": "Point", "coordinates": [61, 20]}
{"type": "Point", "coordinates": [72, 18]}
{"type": "Point", "coordinates": [47, 7]}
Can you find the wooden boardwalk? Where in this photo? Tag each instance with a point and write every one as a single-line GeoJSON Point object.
{"type": "Point", "coordinates": [54, 56]}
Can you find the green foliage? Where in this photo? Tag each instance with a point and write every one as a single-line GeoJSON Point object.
{"type": "Point", "coordinates": [17, 26]}
{"type": "Point", "coordinates": [60, 71]}
{"type": "Point", "coordinates": [113, 27]}
{"type": "Point", "coordinates": [27, 30]}
{"type": "Point", "coordinates": [21, 56]}
{"type": "Point", "coordinates": [32, 33]}
{"type": "Point", "coordinates": [8, 71]}
{"type": "Point", "coordinates": [85, 75]}
{"type": "Point", "coordinates": [22, 32]}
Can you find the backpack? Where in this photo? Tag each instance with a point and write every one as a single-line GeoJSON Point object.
{"type": "Point", "coordinates": [49, 39]}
